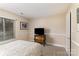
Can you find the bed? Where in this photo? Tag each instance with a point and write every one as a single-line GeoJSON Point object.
{"type": "Point", "coordinates": [21, 48]}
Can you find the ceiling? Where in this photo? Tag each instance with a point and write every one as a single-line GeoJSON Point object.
{"type": "Point", "coordinates": [35, 10]}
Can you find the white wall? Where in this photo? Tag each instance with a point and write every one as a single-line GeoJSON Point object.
{"type": "Point", "coordinates": [55, 28]}
{"type": "Point", "coordinates": [19, 34]}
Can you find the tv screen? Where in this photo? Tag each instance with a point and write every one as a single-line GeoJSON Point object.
{"type": "Point", "coordinates": [39, 31]}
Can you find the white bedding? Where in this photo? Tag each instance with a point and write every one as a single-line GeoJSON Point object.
{"type": "Point", "coordinates": [20, 48]}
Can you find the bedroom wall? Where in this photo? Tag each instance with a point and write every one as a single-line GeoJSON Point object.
{"type": "Point", "coordinates": [55, 28]}
{"type": "Point", "coordinates": [19, 34]}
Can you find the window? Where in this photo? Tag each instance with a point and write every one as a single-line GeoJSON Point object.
{"type": "Point", "coordinates": [1, 29]}
{"type": "Point", "coordinates": [6, 29]}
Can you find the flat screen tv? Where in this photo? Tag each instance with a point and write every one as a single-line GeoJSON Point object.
{"type": "Point", "coordinates": [39, 31]}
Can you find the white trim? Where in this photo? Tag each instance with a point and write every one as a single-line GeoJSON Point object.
{"type": "Point", "coordinates": [59, 45]}
{"type": "Point", "coordinates": [60, 34]}
{"type": "Point", "coordinates": [76, 43]}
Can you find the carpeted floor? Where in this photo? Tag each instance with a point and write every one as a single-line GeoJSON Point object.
{"type": "Point", "coordinates": [53, 51]}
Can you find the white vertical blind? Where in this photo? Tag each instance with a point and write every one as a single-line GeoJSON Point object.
{"type": "Point", "coordinates": [6, 29]}
{"type": "Point", "coordinates": [1, 29]}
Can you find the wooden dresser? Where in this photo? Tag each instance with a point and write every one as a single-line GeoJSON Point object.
{"type": "Point", "coordinates": [40, 39]}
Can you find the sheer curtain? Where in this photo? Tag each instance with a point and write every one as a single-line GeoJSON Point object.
{"type": "Point", "coordinates": [6, 29]}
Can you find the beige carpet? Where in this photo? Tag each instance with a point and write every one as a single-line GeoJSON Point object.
{"type": "Point", "coordinates": [53, 51]}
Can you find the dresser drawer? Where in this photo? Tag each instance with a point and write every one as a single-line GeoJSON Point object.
{"type": "Point", "coordinates": [40, 39]}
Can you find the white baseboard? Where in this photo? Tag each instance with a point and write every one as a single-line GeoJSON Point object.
{"type": "Point", "coordinates": [55, 45]}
